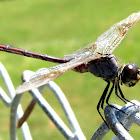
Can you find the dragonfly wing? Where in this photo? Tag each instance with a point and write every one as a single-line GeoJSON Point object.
{"type": "Point", "coordinates": [86, 50]}
{"type": "Point", "coordinates": [109, 40]}
{"type": "Point", "coordinates": [43, 76]}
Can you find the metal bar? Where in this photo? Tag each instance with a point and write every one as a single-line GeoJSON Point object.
{"type": "Point", "coordinates": [5, 98]}
{"type": "Point", "coordinates": [114, 124]}
{"type": "Point", "coordinates": [67, 109]}
{"type": "Point", "coordinates": [11, 92]}
{"type": "Point", "coordinates": [7, 81]}
{"type": "Point", "coordinates": [64, 104]}
{"type": "Point", "coordinates": [114, 116]}
{"type": "Point", "coordinates": [133, 115]}
{"type": "Point", "coordinates": [13, 124]}
{"type": "Point", "coordinates": [27, 113]}
{"type": "Point", "coordinates": [102, 130]}
{"type": "Point", "coordinates": [16, 109]}
{"type": "Point", "coordinates": [51, 114]}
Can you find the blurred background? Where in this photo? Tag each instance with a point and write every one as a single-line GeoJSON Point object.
{"type": "Point", "coordinates": [57, 28]}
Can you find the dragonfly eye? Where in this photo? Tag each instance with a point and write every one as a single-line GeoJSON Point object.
{"type": "Point", "coordinates": [130, 74]}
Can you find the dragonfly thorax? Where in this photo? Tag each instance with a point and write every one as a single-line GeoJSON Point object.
{"type": "Point", "coordinates": [130, 74]}
{"type": "Point", "coordinates": [105, 67]}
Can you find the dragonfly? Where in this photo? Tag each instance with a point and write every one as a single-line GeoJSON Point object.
{"type": "Point", "coordinates": [96, 58]}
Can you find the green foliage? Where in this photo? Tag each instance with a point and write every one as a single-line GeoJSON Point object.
{"type": "Point", "coordinates": [57, 28]}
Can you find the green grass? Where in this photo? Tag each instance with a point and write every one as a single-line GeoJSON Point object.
{"type": "Point", "coordinates": [57, 28]}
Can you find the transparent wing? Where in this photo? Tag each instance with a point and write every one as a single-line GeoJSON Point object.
{"type": "Point", "coordinates": [87, 50]}
{"type": "Point", "coordinates": [43, 76]}
{"type": "Point", "coordinates": [109, 40]}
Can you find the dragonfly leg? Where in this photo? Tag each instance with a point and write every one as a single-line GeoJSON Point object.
{"type": "Point", "coordinates": [110, 92]}
{"type": "Point", "coordinates": [120, 91]}
{"type": "Point", "coordinates": [108, 97]}
{"type": "Point", "coordinates": [101, 101]}
{"type": "Point", "coordinates": [104, 97]}
{"type": "Point", "coordinates": [123, 97]}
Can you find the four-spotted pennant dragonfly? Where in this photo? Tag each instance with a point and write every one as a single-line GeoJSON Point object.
{"type": "Point", "coordinates": [95, 58]}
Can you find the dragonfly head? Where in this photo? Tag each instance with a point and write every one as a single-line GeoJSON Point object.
{"type": "Point", "coordinates": [130, 74]}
